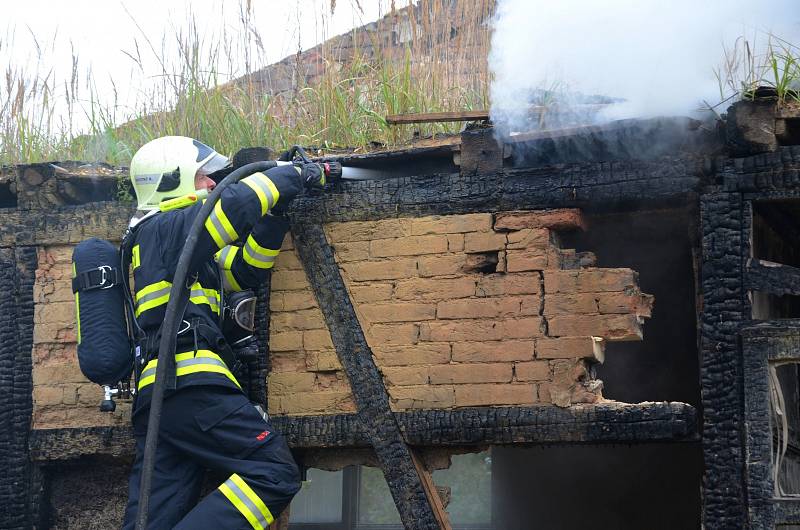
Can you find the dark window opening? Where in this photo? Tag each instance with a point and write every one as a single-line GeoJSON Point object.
{"type": "Point", "coordinates": [8, 195]}
{"type": "Point", "coordinates": [483, 262]}
{"type": "Point", "coordinates": [785, 426]}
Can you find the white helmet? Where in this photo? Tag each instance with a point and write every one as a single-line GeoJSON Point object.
{"type": "Point", "coordinates": [165, 168]}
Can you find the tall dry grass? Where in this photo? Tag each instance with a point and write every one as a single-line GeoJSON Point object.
{"type": "Point", "coordinates": [424, 57]}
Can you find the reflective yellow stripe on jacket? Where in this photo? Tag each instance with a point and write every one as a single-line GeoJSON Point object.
{"type": "Point", "coordinates": [225, 259]}
{"type": "Point", "coordinates": [189, 363]}
{"type": "Point", "coordinates": [258, 256]}
{"type": "Point", "coordinates": [157, 294]}
{"type": "Point", "coordinates": [264, 188]}
{"type": "Point", "coordinates": [219, 226]}
{"type": "Point", "coordinates": [247, 502]}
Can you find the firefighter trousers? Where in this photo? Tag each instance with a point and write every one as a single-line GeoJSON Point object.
{"type": "Point", "coordinates": [217, 428]}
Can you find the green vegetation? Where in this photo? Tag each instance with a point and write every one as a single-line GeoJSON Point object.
{"type": "Point", "coordinates": [343, 106]}
{"type": "Point", "coordinates": [746, 74]}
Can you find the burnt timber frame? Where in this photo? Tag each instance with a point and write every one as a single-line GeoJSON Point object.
{"type": "Point", "coordinates": [735, 492]}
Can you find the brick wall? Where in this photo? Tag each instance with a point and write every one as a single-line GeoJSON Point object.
{"type": "Point", "coordinates": [463, 310]}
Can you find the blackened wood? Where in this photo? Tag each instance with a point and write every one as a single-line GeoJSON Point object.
{"type": "Point", "coordinates": [720, 369]}
{"type": "Point", "coordinates": [260, 367]}
{"type": "Point", "coordinates": [17, 273]}
{"type": "Point", "coordinates": [414, 503]}
{"type": "Point", "coordinates": [750, 127]}
{"type": "Point", "coordinates": [480, 152]}
{"type": "Point", "coordinates": [772, 278]}
{"type": "Point", "coordinates": [474, 426]}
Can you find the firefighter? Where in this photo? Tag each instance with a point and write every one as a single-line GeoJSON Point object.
{"type": "Point", "coordinates": [207, 422]}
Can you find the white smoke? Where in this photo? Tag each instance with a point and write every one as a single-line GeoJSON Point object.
{"type": "Point", "coordinates": [659, 56]}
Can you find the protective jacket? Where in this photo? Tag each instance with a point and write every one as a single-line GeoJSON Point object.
{"type": "Point", "coordinates": [237, 247]}
{"type": "Point", "coordinates": [208, 422]}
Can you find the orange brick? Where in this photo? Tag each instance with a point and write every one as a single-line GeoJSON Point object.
{"type": "Point", "coordinates": [54, 332]}
{"type": "Point", "coordinates": [479, 308]}
{"type": "Point", "coordinates": [351, 251]}
{"type": "Point", "coordinates": [504, 284]}
{"type": "Point", "coordinates": [381, 334]}
{"type": "Point", "coordinates": [405, 375]}
{"type": "Point", "coordinates": [435, 289]}
{"type": "Point", "coordinates": [299, 404]}
{"type": "Point", "coordinates": [528, 260]}
{"type": "Point", "coordinates": [317, 339]}
{"type": "Point", "coordinates": [287, 362]}
{"type": "Point", "coordinates": [288, 280]}
{"type": "Point", "coordinates": [90, 394]}
{"type": "Point", "coordinates": [569, 348]}
{"type": "Point", "coordinates": [322, 361]}
{"type": "Point", "coordinates": [493, 351]}
{"type": "Point", "coordinates": [332, 380]}
{"type": "Point", "coordinates": [532, 371]}
{"type": "Point", "coordinates": [559, 219]}
{"type": "Point", "coordinates": [609, 327]}
{"type": "Point", "coordinates": [288, 243]}
{"type": "Point", "coordinates": [276, 301]}
{"type": "Point", "coordinates": [57, 373]}
{"type": "Point", "coordinates": [288, 261]}
{"type": "Point", "coordinates": [421, 397]}
{"type": "Point", "coordinates": [297, 320]}
{"type": "Point", "coordinates": [290, 382]}
{"type": "Point", "coordinates": [484, 241]}
{"type": "Point", "coordinates": [455, 242]}
{"type": "Point", "coordinates": [427, 353]}
{"type": "Point", "coordinates": [636, 303]}
{"type": "Point", "coordinates": [371, 292]}
{"type": "Point", "coordinates": [294, 300]}
{"type": "Point", "coordinates": [589, 280]}
{"type": "Point", "coordinates": [367, 230]}
{"type": "Point", "coordinates": [452, 224]}
{"type": "Point", "coordinates": [408, 246]}
{"type": "Point", "coordinates": [571, 303]}
{"type": "Point", "coordinates": [495, 394]}
{"type": "Point", "coordinates": [441, 265]}
{"type": "Point", "coordinates": [529, 238]}
{"type": "Point", "coordinates": [470, 373]}
{"type": "Point", "coordinates": [55, 312]}
{"type": "Point", "coordinates": [70, 394]}
{"type": "Point", "coordinates": [398, 312]}
{"type": "Point", "coordinates": [285, 341]}
{"type": "Point", "coordinates": [362, 271]}
{"type": "Point", "coordinates": [44, 395]}
{"type": "Point", "coordinates": [480, 330]}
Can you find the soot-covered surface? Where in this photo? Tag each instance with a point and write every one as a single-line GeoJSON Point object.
{"type": "Point", "coordinates": [590, 486]}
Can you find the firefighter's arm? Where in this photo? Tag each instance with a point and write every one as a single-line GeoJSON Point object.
{"type": "Point", "coordinates": [240, 207]}
{"type": "Point", "coordinates": [247, 266]}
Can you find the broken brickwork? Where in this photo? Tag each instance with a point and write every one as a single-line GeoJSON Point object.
{"type": "Point", "coordinates": [463, 311]}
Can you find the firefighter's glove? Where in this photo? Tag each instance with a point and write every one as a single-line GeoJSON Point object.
{"type": "Point", "coordinates": [313, 176]}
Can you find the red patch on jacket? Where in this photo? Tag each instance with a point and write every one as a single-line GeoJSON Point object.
{"type": "Point", "coordinates": [261, 436]}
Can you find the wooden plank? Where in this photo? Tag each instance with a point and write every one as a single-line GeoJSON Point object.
{"type": "Point", "coordinates": [774, 278]}
{"type": "Point", "coordinates": [431, 117]}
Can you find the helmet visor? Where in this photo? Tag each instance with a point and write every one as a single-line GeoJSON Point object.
{"type": "Point", "coordinates": [213, 164]}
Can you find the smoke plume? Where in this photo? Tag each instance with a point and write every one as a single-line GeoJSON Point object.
{"type": "Point", "coordinates": [647, 57]}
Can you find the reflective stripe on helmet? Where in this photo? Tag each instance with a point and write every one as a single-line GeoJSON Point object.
{"type": "Point", "coordinates": [258, 256]}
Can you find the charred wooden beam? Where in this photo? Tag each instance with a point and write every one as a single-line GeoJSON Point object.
{"type": "Point", "coordinates": [17, 273]}
{"type": "Point", "coordinates": [773, 278]}
{"type": "Point", "coordinates": [722, 223]}
{"type": "Point", "coordinates": [433, 117]}
{"type": "Point", "coordinates": [478, 426]}
{"type": "Point", "coordinates": [418, 504]}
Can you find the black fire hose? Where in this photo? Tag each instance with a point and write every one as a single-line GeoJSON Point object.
{"type": "Point", "coordinates": [178, 298]}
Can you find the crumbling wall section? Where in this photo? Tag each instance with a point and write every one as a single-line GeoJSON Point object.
{"type": "Point", "coordinates": [459, 311]}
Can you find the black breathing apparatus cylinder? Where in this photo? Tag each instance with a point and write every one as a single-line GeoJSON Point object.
{"type": "Point", "coordinates": [105, 349]}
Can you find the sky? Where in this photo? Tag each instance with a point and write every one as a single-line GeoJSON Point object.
{"type": "Point", "coordinates": [44, 35]}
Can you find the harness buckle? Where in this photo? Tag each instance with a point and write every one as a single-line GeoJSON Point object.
{"type": "Point", "coordinates": [104, 271]}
